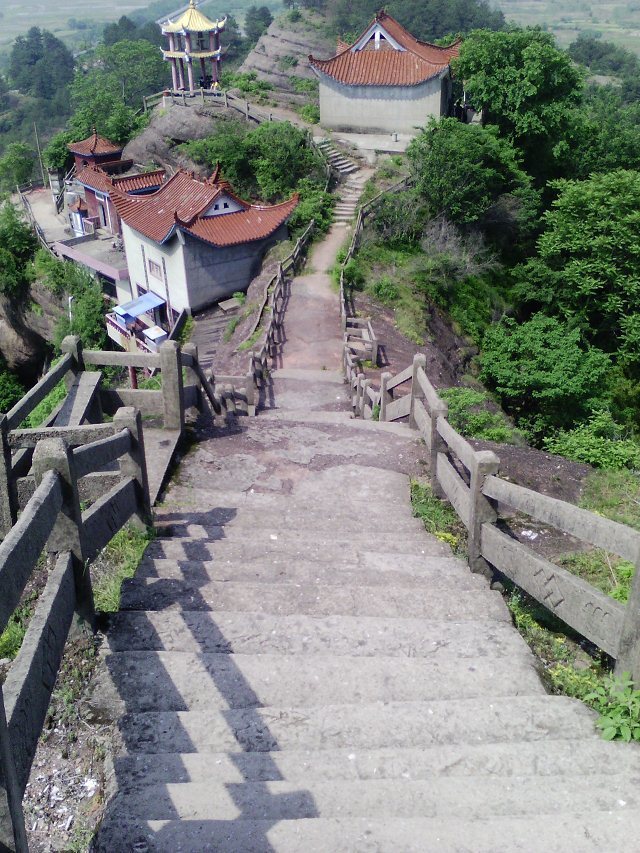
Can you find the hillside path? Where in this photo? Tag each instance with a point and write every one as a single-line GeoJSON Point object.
{"type": "Point", "coordinates": [299, 666]}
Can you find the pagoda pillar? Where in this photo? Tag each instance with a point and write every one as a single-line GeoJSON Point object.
{"type": "Point", "coordinates": [181, 74]}
{"type": "Point", "coordinates": [189, 62]}
{"type": "Point", "coordinates": [203, 71]}
{"type": "Point", "coordinates": [213, 38]}
{"type": "Point", "coordinates": [174, 74]}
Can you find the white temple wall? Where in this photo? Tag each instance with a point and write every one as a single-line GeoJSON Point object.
{"type": "Point", "coordinates": [381, 109]}
{"type": "Point", "coordinates": [172, 252]}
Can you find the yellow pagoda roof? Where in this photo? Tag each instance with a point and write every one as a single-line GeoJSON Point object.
{"type": "Point", "coordinates": [192, 21]}
{"type": "Point", "coordinates": [195, 54]}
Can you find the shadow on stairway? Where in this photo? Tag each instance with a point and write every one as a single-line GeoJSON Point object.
{"type": "Point", "coordinates": [164, 737]}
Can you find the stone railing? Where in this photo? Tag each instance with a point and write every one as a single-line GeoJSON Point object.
{"type": "Point", "coordinates": [52, 520]}
{"type": "Point", "coordinates": [354, 329]}
{"type": "Point", "coordinates": [469, 480]}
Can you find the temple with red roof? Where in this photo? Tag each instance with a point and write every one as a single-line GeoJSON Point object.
{"type": "Point", "coordinates": [384, 82]}
{"type": "Point", "coordinates": [194, 242]}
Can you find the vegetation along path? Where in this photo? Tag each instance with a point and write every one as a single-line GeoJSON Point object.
{"type": "Point", "coordinates": [298, 665]}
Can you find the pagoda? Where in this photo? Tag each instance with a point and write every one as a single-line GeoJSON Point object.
{"type": "Point", "coordinates": [192, 37]}
{"type": "Point", "coordinates": [386, 81]}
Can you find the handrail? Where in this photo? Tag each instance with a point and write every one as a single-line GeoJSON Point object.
{"type": "Point", "coordinates": [469, 480]}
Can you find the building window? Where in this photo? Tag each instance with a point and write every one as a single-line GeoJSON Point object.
{"type": "Point", "coordinates": [155, 269]}
{"type": "Point", "coordinates": [216, 206]}
{"type": "Point", "coordinates": [225, 205]}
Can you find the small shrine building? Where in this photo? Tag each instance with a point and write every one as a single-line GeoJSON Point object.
{"type": "Point", "coordinates": [193, 38]}
{"type": "Point", "coordinates": [384, 82]}
{"type": "Point", "coordinates": [194, 242]}
{"type": "Point", "coordinates": [95, 150]}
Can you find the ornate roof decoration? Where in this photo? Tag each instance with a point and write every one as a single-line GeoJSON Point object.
{"type": "Point", "coordinates": [98, 179]}
{"type": "Point", "coordinates": [386, 54]}
{"type": "Point", "coordinates": [193, 21]}
{"type": "Point", "coordinates": [182, 202]}
{"type": "Point", "coordinates": [94, 145]}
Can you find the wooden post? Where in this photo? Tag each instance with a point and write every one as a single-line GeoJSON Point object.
{"type": "Point", "coordinates": [51, 454]}
{"type": "Point", "coordinates": [246, 107]}
{"type": "Point", "coordinates": [437, 445]}
{"type": "Point", "coordinates": [13, 836]}
{"type": "Point", "coordinates": [419, 360]}
{"type": "Point", "coordinates": [359, 395]}
{"type": "Point", "coordinates": [251, 388]}
{"type": "Point", "coordinates": [192, 374]}
{"type": "Point", "coordinates": [481, 510]}
{"type": "Point", "coordinates": [134, 464]}
{"type": "Point", "coordinates": [172, 389]}
{"type": "Point", "coordinates": [386, 396]}
{"type": "Point", "coordinates": [8, 491]}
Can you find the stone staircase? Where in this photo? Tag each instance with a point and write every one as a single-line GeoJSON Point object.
{"type": "Point", "coordinates": [337, 158]}
{"type": "Point", "coordinates": [299, 666]}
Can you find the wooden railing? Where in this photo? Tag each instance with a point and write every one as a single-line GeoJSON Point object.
{"type": "Point", "coordinates": [53, 520]}
{"type": "Point", "coordinates": [469, 480]}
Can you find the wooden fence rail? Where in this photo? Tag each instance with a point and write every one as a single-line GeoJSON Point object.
{"type": "Point", "coordinates": [469, 480]}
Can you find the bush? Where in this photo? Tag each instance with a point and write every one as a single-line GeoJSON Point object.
{"type": "Point", "coordinates": [469, 415]}
{"type": "Point", "coordinates": [315, 204]}
{"type": "Point", "coordinates": [385, 290]}
{"type": "Point", "coordinates": [353, 274]}
{"type": "Point", "coordinates": [310, 113]}
{"type": "Point", "coordinates": [598, 442]}
{"type": "Point", "coordinates": [10, 388]}
{"type": "Point", "coordinates": [542, 373]}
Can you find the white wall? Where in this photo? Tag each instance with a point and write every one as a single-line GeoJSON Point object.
{"type": "Point", "coordinates": [174, 261]}
{"type": "Point", "coordinates": [381, 109]}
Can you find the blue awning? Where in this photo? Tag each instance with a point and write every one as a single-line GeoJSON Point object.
{"type": "Point", "coordinates": [141, 305]}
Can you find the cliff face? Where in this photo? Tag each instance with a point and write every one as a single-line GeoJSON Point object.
{"type": "Point", "coordinates": [27, 330]}
{"type": "Point", "coordinates": [282, 53]}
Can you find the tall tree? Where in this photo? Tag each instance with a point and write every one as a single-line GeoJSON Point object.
{"type": "Point", "coordinates": [257, 21]}
{"type": "Point", "coordinates": [40, 64]}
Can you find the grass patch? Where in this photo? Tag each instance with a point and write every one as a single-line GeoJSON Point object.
{"type": "Point", "coordinates": [438, 517]}
{"type": "Point", "coordinates": [13, 635]}
{"type": "Point", "coordinates": [45, 407]}
{"type": "Point", "coordinates": [310, 113]}
{"type": "Point", "coordinates": [606, 572]}
{"type": "Point", "coordinates": [120, 560]}
{"type": "Point", "coordinates": [151, 383]}
{"type": "Point", "coordinates": [232, 325]}
{"type": "Point", "coordinates": [186, 331]}
{"type": "Point", "coordinates": [614, 495]}
{"type": "Point", "coordinates": [470, 415]}
{"type": "Point", "coordinates": [252, 340]}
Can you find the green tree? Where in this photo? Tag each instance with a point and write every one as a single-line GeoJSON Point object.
{"type": "Point", "coordinates": [545, 377]}
{"type": "Point", "coordinates": [587, 268]}
{"type": "Point", "coordinates": [15, 235]}
{"type": "Point", "coordinates": [523, 84]}
{"type": "Point", "coordinates": [135, 67]}
{"type": "Point", "coordinates": [280, 156]}
{"type": "Point", "coordinates": [257, 21]}
{"type": "Point", "coordinates": [120, 30]}
{"type": "Point", "coordinates": [40, 64]}
{"type": "Point", "coordinates": [16, 165]}
{"type": "Point", "coordinates": [10, 388]}
{"type": "Point", "coordinates": [469, 175]}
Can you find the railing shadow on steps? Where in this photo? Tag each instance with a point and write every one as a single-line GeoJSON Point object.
{"type": "Point", "coordinates": [241, 706]}
{"type": "Point", "coordinates": [469, 480]}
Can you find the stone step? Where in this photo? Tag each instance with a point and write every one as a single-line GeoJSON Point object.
{"type": "Point", "coordinates": [579, 832]}
{"type": "Point", "coordinates": [286, 599]}
{"type": "Point", "coordinates": [181, 576]}
{"type": "Point", "coordinates": [444, 798]}
{"type": "Point", "coordinates": [343, 636]}
{"type": "Point", "coordinates": [186, 681]}
{"type": "Point", "coordinates": [567, 758]}
{"type": "Point", "coordinates": [363, 726]}
{"type": "Point", "coordinates": [308, 546]}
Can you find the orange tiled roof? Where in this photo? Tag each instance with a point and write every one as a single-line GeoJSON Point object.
{"type": "Point", "coordinates": [94, 144]}
{"type": "Point", "coordinates": [182, 200]}
{"type": "Point", "coordinates": [98, 179]}
{"type": "Point", "coordinates": [417, 62]}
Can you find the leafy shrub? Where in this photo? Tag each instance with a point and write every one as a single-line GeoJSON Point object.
{"type": "Point", "coordinates": [315, 204]}
{"type": "Point", "coordinates": [438, 517]}
{"type": "Point", "coordinates": [542, 373]}
{"type": "Point", "coordinates": [385, 290]}
{"type": "Point", "coordinates": [576, 683]}
{"type": "Point", "coordinates": [44, 408]}
{"type": "Point", "coordinates": [597, 442]}
{"type": "Point", "coordinates": [304, 86]}
{"type": "Point", "coordinates": [618, 703]}
{"type": "Point", "coordinates": [353, 274]}
{"type": "Point", "coordinates": [287, 62]}
{"type": "Point", "coordinates": [294, 16]}
{"type": "Point", "coordinates": [10, 388]}
{"type": "Point", "coordinates": [470, 416]}
{"type": "Point", "coordinates": [310, 113]}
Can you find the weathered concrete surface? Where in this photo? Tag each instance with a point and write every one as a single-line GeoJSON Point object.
{"type": "Point", "coordinates": [298, 666]}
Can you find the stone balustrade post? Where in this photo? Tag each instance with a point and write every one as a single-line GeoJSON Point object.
{"type": "Point", "coordinates": [358, 405]}
{"type": "Point", "coordinates": [628, 658]}
{"type": "Point", "coordinates": [386, 396]}
{"type": "Point", "coordinates": [365, 397]}
{"type": "Point", "coordinates": [481, 510]}
{"type": "Point", "coordinates": [172, 388]}
{"type": "Point", "coordinates": [251, 387]}
{"type": "Point", "coordinates": [191, 374]}
{"type": "Point", "coordinates": [8, 491]}
{"type": "Point", "coordinates": [437, 446]}
{"type": "Point", "coordinates": [51, 454]}
{"type": "Point", "coordinates": [73, 345]}
{"type": "Point", "coordinates": [13, 836]}
{"type": "Point", "coordinates": [134, 464]}
{"type": "Point", "coordinates": [419, 361]}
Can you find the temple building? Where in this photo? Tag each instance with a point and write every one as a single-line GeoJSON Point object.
{"type": "Point", "coordinates": [384, 82]}
{"type": "Point", "coordinates": [194, 242]}
{"type": "Point", "coordinates": [94, 150]}
{"type": "Point", "coordinates": [193, 38]}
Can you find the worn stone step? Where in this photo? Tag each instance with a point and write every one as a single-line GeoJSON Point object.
{"type": "Point", "coordinates": [266, 633]}
{"type": "Point", "coordinates": [282, 800]}
{"type": "Point", "coordinates": [567, 758]}
{"type": "Point", "coordinates": [362, 726]}
{"type": "Point", "coordinates": [186, 681]}
{"type": "Point", "coordinates": [238, 524]}
{"type": "Point", "coordinates": [307, 547]}
{"type": "Point", "coordinates": [579, 832]}
{"type": "Point", "coordinates": [424, 576]}
{"type": "Point", "coordinates": [287, 599]}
